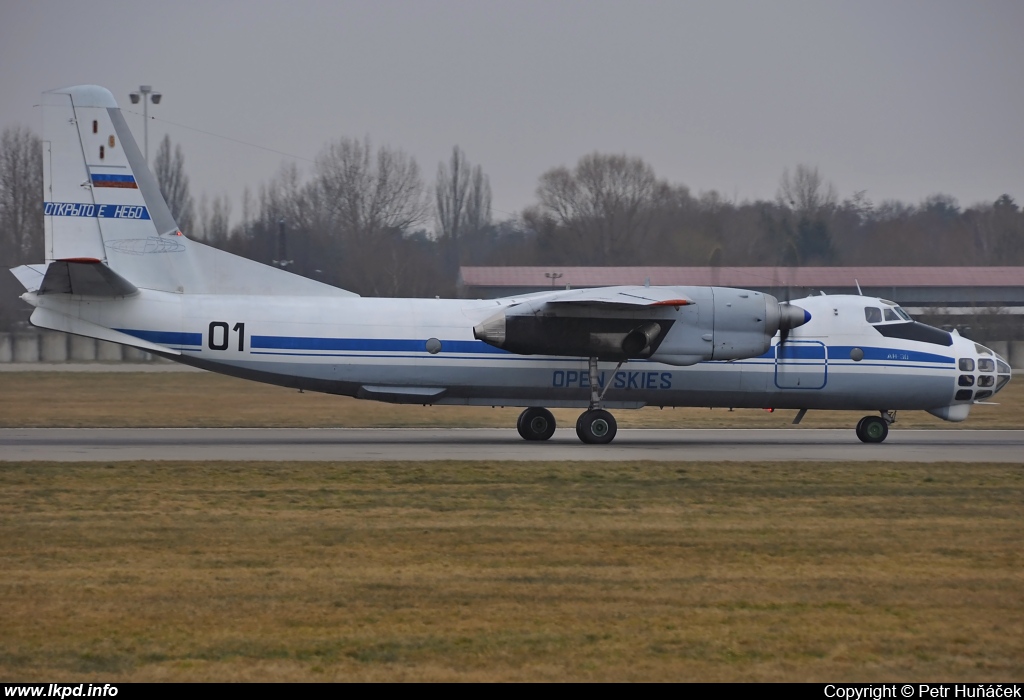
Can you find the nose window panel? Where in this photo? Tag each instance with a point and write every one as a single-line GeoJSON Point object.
{"type": "Point", "coordinates": [1003, 367]}
{"type": "Point", "coordinates": [983, 394]}
{"type": "Point", "coordinates": [986, 380]}
{"type": "Point", "coordinates": [986, 365]}
{"type": "Point", "coordinates": [966, 364]}
{"type": "Point", "coordinates": [966, 380]}
{"type": "Point", "coordinates": [963, 395]}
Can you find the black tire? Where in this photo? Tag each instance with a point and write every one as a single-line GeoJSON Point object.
{"type": "Point", "coordinates": [596, 427]}
{"type": "Point", "coordinates": [536, 424]}
{"type": "Point", "coordinates": [872, 430]}
{"type": "Point", "coordinates": [860, 428]}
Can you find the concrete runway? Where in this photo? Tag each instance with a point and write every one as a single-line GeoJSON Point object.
{"type": "Point", "coordinates": [358, 444]}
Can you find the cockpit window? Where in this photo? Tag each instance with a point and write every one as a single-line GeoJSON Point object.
{"type": "Point", "coordinates": [903, 314]}
{"type": "Point", "coordinates": [890, 315]}
{"type": "Point", "coordinates": [982, 350]}
{"type": "Point", "coordinates": [872, 314]}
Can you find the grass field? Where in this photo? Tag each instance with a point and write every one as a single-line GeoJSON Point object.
{"type": "Point", "coordinates": [491, 571]}
{"type": "Point", "coordinates": [186, 399]}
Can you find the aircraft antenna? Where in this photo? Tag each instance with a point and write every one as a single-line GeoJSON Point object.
{"type": "Point", "coordinates": [856, 282]}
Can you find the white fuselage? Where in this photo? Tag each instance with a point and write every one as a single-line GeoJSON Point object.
{"type": "Point", "coordinates": [382, 349]}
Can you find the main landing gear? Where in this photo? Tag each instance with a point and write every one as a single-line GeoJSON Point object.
{"type": "Point", "coordinates": [536, 424]}
{"type": "Point", "coordinates": [595, 426]}
{"type": "Point", "coordinates": [874, 429]}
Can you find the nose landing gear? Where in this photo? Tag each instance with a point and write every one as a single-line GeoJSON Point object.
{"type": "Point", "coordinates": [874, 429]}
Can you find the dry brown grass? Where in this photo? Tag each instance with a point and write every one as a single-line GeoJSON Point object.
{"type": "Point", "coordinates": [59, 399]}
{"type": "Point", "coordinates": [492, 571]}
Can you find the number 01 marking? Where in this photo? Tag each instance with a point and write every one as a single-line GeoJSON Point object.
{"type": "Point", "coordinates": [217, 337]}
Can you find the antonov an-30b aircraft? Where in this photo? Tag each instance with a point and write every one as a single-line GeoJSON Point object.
{"type": "Point", "coordinates": [118, 269]}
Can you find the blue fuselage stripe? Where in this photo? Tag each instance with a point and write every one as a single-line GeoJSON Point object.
{"type": "Point", "coordinates": [164, 337]}
{"type": "Point", "coordinates": [809, 355]}
{"type": "Point", "coordinates": [274, 342]}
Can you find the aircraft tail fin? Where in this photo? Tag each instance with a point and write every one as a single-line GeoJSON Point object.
{"type": "Point", "coordinates": [103, 204]}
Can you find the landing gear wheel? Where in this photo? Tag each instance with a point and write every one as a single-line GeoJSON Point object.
{"type": "Point", "coordinates": [536, 424]}
{"type": "Point", "coordinates": [596, 427]}
{"type": "Point", "coordinates": [872, 429]}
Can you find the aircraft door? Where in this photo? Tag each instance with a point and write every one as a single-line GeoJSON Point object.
{"type": "Point", "coordinates": [801, 364]}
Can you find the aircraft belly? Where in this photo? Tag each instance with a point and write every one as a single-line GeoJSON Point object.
{"type": "Point", "coordinates": [517, 380]}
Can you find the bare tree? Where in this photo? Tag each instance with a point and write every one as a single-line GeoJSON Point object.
{"type": "Point", "coordinates": [170, 174]}
{"type": "Point", "coordinates": [214, 220]}
{"type": "Point", "coordinates": [478, 205]}
{"type": "Point", "coordinates": [21, 186]}
{"type": "Point", "coordinates": [806, 206]}
{"type": "Point", "coordinates": [368, 194]}
{"type": "Point", "coordinates": [463, 199]}
{"type": "Point", "coordinates": [607, 201]}
{"type": "Point", "coordinates": [806, 192]}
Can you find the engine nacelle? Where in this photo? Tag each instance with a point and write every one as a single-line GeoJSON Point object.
{"type": "Point", "coordinates": [524, 332]}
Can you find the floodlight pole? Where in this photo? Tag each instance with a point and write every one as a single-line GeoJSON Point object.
{"type": "Point", "coordinates": [146, 93]}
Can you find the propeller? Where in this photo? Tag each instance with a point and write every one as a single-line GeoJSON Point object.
{"type": "Point", "coordinates": [790, 317]}
{"type": "Point", "coordinates": [784, 327]}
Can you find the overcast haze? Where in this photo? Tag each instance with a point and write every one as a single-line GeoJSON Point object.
{"type": "Point", "coordinates": [902, 99]}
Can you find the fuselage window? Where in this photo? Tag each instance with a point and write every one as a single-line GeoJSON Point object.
{"type": "Point", "coordinates": [986, 365]}
{"type": "Point", "coordinates": [966, 364]}
{"type": "Point", "coordinates": [986, 380]}
{"type": "Point", "coordinates": [966, 380]}
{"type": "Point", "coordinates": [872, 314]}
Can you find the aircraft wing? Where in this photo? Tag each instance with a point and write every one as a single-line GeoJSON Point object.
{"type": "Point", "coordinates": [627, 298]}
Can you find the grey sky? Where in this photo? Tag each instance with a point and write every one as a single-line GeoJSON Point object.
{"type": "Point", "coordinates": [902, 99]}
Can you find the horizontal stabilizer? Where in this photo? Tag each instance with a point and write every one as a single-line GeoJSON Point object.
{"type": "Point", "coordinates": [30, 276]}
{"type": "Point", "coordinates": [46, 318]}
{"type": "Point", "coordinates": [85, 277]}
